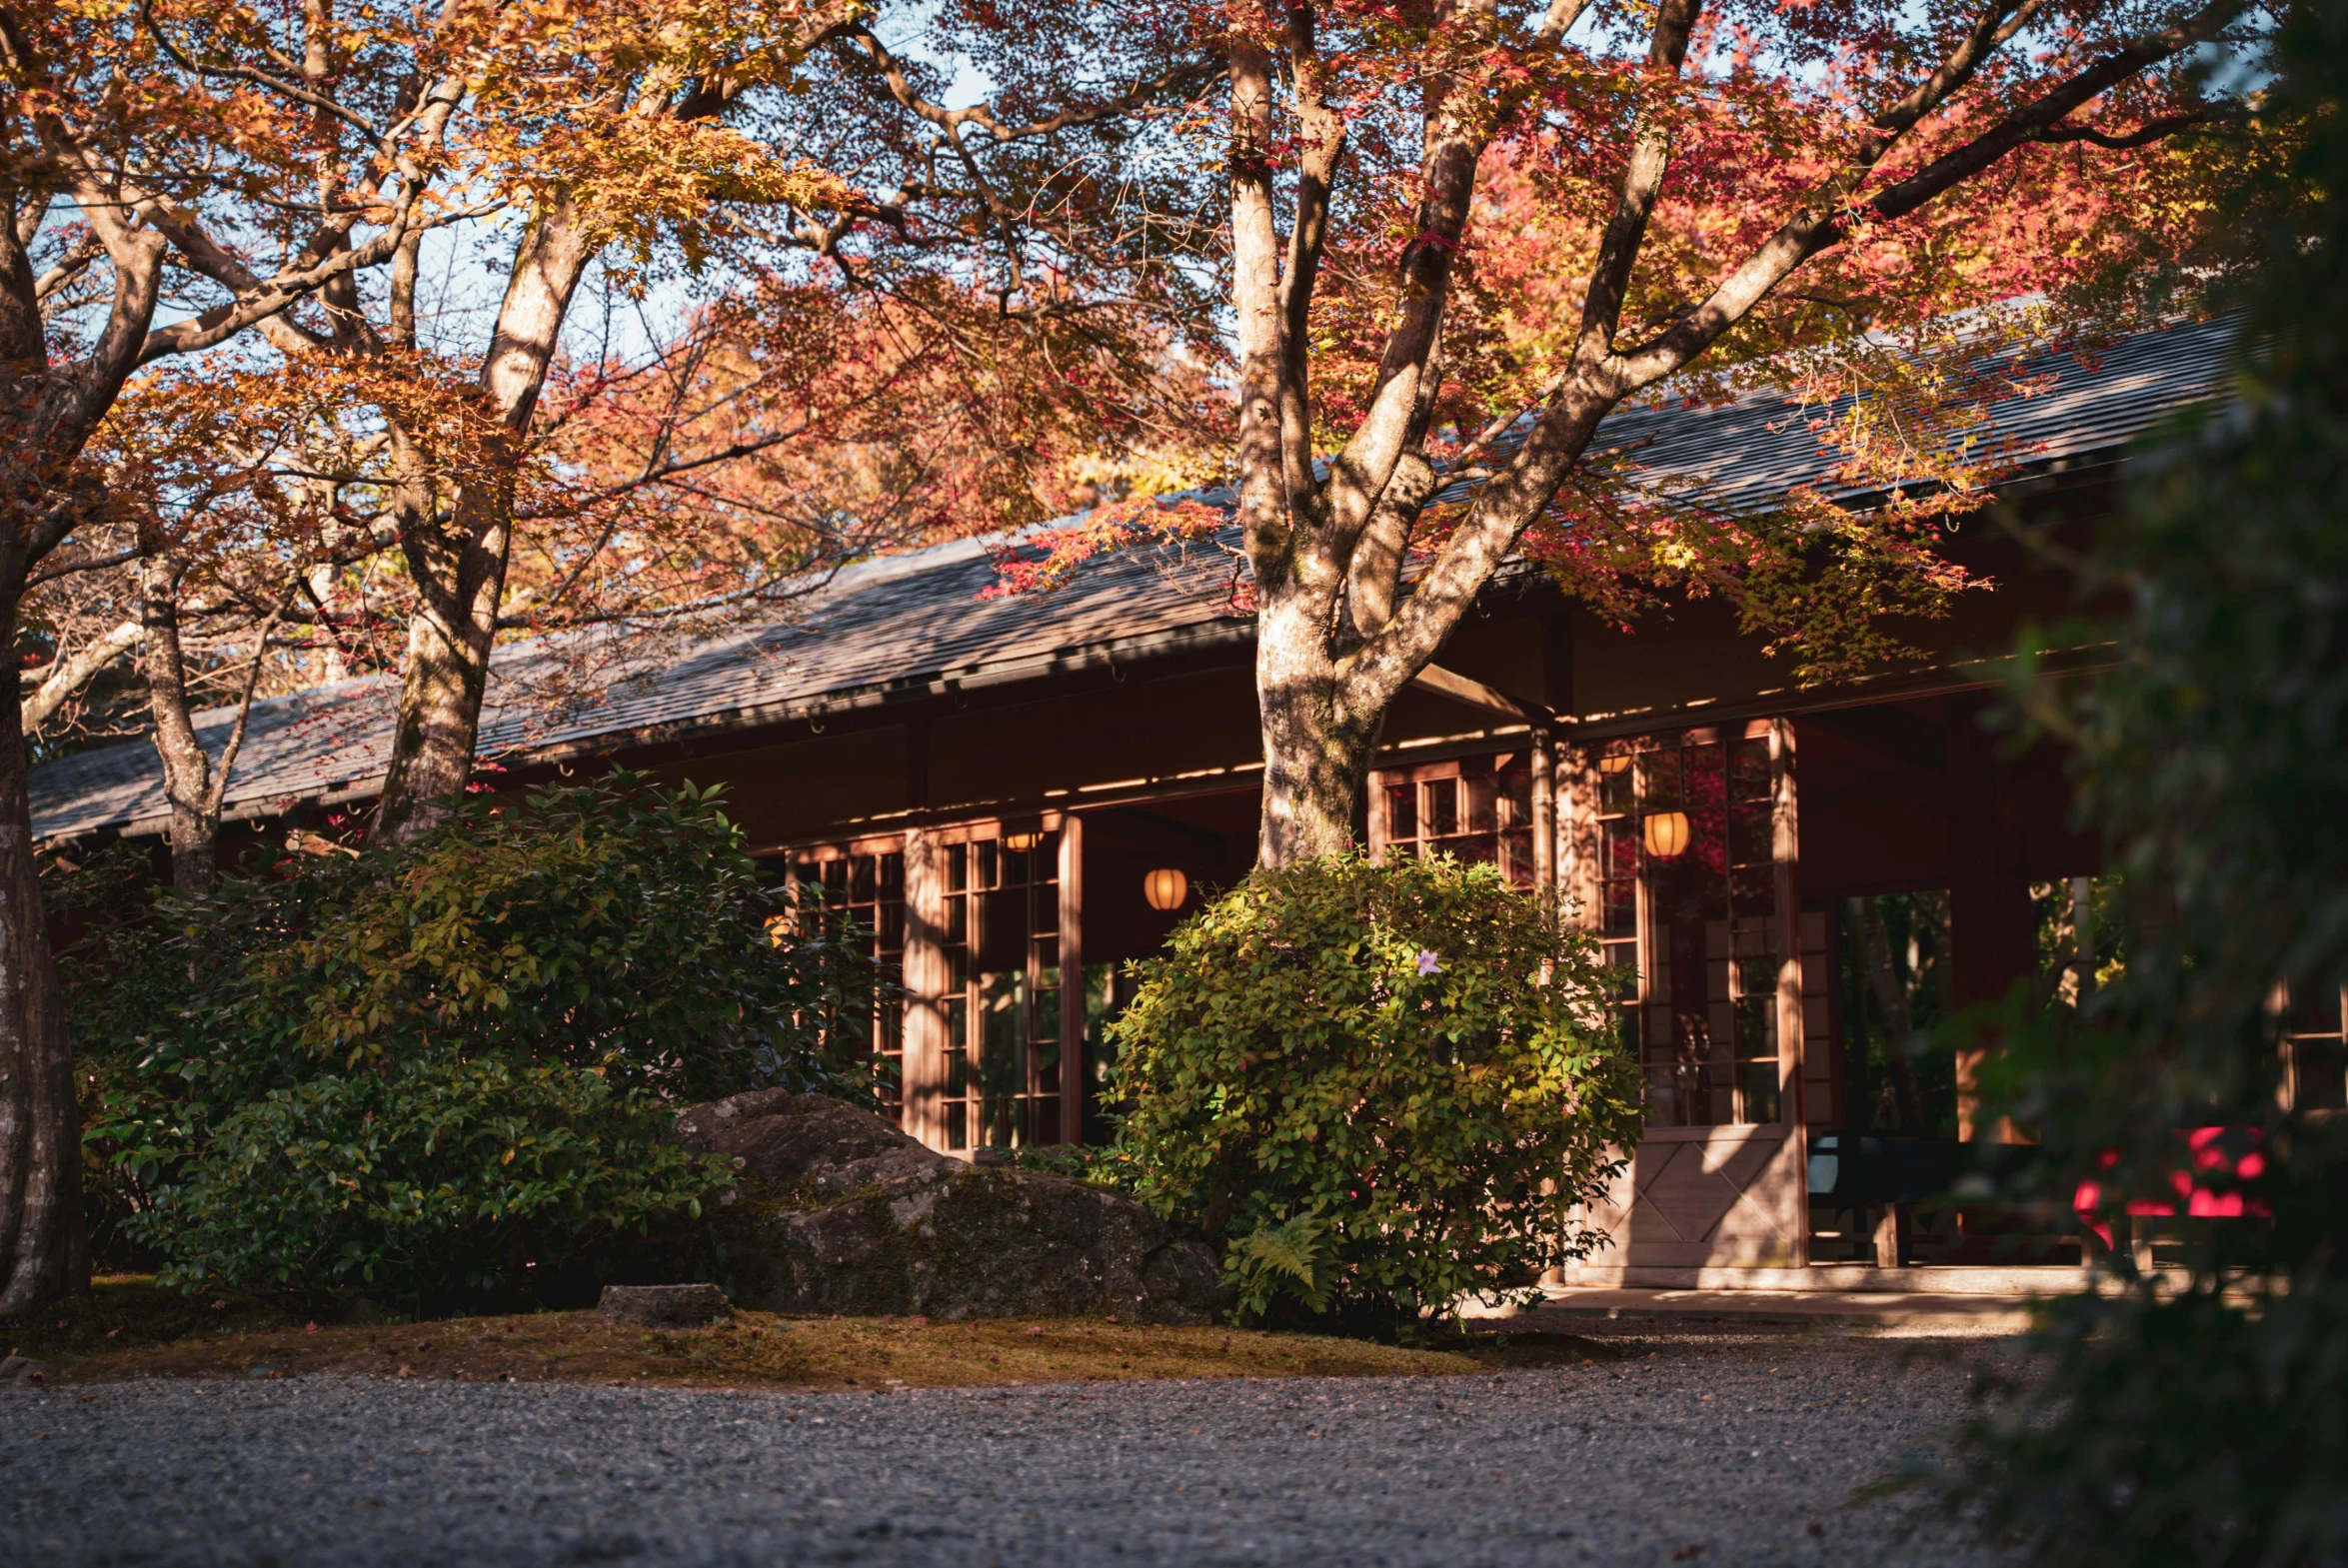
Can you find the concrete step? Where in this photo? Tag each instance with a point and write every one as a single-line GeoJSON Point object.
{"type": "Point", "coordinates": [1912, 1310]}
{"type": "Point", "coordinates": [2016, 1280]}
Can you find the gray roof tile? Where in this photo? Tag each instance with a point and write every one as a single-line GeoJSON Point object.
{"type": "Point", "coordinates": [916, 622]}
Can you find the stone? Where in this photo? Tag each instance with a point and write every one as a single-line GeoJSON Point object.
{"type": "Point", "coordinates": [806, 1143]}
{"type": "Point", "coordinates": [840, 1212]}
{"type": "Point", "coordinates": [664, 1306]}
{"type": "Point", "coordinates": [25, 1372]}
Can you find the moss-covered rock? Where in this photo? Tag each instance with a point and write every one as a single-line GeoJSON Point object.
{"type": "Point", "coordinates": [840, 1212]}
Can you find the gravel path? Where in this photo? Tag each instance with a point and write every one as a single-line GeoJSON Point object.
{"type": "Point", "coordinates": [1716, 1449]}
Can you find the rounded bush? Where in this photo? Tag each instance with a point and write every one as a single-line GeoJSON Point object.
{"type": "Point", "coordinates": [1383, 1089]}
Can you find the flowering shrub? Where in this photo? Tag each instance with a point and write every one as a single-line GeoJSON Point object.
{"type": "Point", "coordinates": [1381, 1090]}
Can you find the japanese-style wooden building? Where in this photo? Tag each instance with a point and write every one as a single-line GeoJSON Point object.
{"type": "Point", "coordinates": [1002, 788]}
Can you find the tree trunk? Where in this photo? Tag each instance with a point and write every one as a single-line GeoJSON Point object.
{"type": "Point", "coordinates": [461, 574]}
{"type": "Point", "coordinates": [187, 768]}
{"type": "Point", "coordinates": [441, 686]}
{"type": "Point", "coordinates": [42, 1252]}
{"type": "Point", "coordinates": [1316, 748]}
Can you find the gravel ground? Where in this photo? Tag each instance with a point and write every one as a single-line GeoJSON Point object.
{"type": "Point", "coordinates": [1714, 1448]}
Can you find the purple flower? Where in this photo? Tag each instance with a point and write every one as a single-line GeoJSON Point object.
{"type": "Point", "coordinates": [1427, 962]}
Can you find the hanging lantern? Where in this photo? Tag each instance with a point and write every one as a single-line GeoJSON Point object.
{"type": "Point", "coordinates": [1021, 842]}
{"type": "Point", "coordinates": [1665, 834]}
{"type": "Point", "coordinates": [1166, 887]}
{"type": "Point", "coordinates": [1618, 762]}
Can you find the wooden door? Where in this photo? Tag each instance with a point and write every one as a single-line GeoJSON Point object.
{"type": "Point", "coordinates": [1684, 848]}
{"type": "Point", "coordinates": [986, 1033]}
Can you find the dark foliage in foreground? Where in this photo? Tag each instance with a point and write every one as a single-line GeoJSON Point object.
{"type": "Point", "coordinates": [2210, 1425]}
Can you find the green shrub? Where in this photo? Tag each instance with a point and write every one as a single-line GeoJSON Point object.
{"type": "Point", "coordinates": [438, 1179]}
{"type": "Point", "coordinates": [1381, 1090]}
{"type": "Point", "coordinates": [426, 1070]}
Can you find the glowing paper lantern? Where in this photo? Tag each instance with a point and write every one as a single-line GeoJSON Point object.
{"type": "Point", "coordinates": [1166, 887]}
{"type": "Point", "coordinates": [1665, 834]}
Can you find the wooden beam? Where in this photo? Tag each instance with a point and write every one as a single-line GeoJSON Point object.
{"type": "Point", "coordinates": [1891, 733]}
{"type": "Point", "coordinates": [1450, 685]}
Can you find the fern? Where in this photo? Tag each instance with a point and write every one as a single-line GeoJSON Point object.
{"type": "Point", "coordinates": [1288, 1258]}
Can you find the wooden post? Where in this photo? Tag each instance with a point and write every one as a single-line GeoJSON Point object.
{"type": "Point", "coordinates": [1887, 1228]}
{"type": "Point", "coordinates": [1544, 819]}
{"type": "Point", "coordinates": [1574, 848]}
{"type": "Point", "coordinates": [1071, 979]}
{"type": "Point", "coordinates": [1787, 855]}
{"type": "Point", "coordinates": [2083, 934]}
{"type": "Point", "coordinates": [925, 985]}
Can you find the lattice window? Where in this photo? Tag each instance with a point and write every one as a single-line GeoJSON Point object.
{"type": "Point", "coordinates": [1478, 808]}
{"type": "Point", "coordinates": [1687, 883]}
{"type": "Point", "coordinates": [862, 891]}
{"type": "Point", "coordinates": [1001, 938]}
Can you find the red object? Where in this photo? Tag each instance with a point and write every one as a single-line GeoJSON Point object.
{"type": "Point", "coordinates": [2206, 1155]}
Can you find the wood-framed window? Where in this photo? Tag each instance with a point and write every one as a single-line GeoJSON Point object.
{"type": "Point", "coordinates": [1693, 841]}
{"type": "Point", "coordinates": [999, 1072]}
{"type": "Point", "coordinates": [2315, 1046]}
{"type": "Point", "coordinates": [1479, 808]}
{"type": "Point", "coordinates": [861, 887]}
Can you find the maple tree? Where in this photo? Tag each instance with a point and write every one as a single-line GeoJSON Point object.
{"type": "Point", "coordinates": [131, 187]}
{"type": "Point", "coordinates": [615, 150]}
{"type": "Point", "coordinates": [803, 425]}
{"type": "Point", "coordinates": [641, 150]}
{"type": "Point", "coordinates": [1461, 234]}
{"type": "Point", "coordinates": [251, 504]}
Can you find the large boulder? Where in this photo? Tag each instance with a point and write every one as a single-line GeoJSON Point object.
{"type": "Point", "coordinates": [838, 1211]}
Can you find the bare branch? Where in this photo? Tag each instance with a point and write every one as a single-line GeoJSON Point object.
{"type": "Point", "coordinates": [67, 676]}
{"type": "Point", "coordinates": [1827, 218]}
{"type": "Point", "coordinates": [241, 73]}
{"type": "Point", "coordinates": [1642, 180]}
{"type": "Point", "coordinates": [236, 735]}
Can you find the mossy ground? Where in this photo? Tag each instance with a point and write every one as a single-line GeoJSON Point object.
{"type": "Point", "coordinates": [128, 1328]}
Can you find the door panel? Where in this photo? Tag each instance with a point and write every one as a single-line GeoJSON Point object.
{"type": "Point", "coordinates": [1690, 846]}
{"type": "Point", "coordinates": [1731, 1198]}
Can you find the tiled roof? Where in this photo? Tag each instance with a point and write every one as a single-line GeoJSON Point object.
{"type": "Point", "coordinates": [1744, 456]}
{"type": "Point", "coordinates": [915, 623]}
